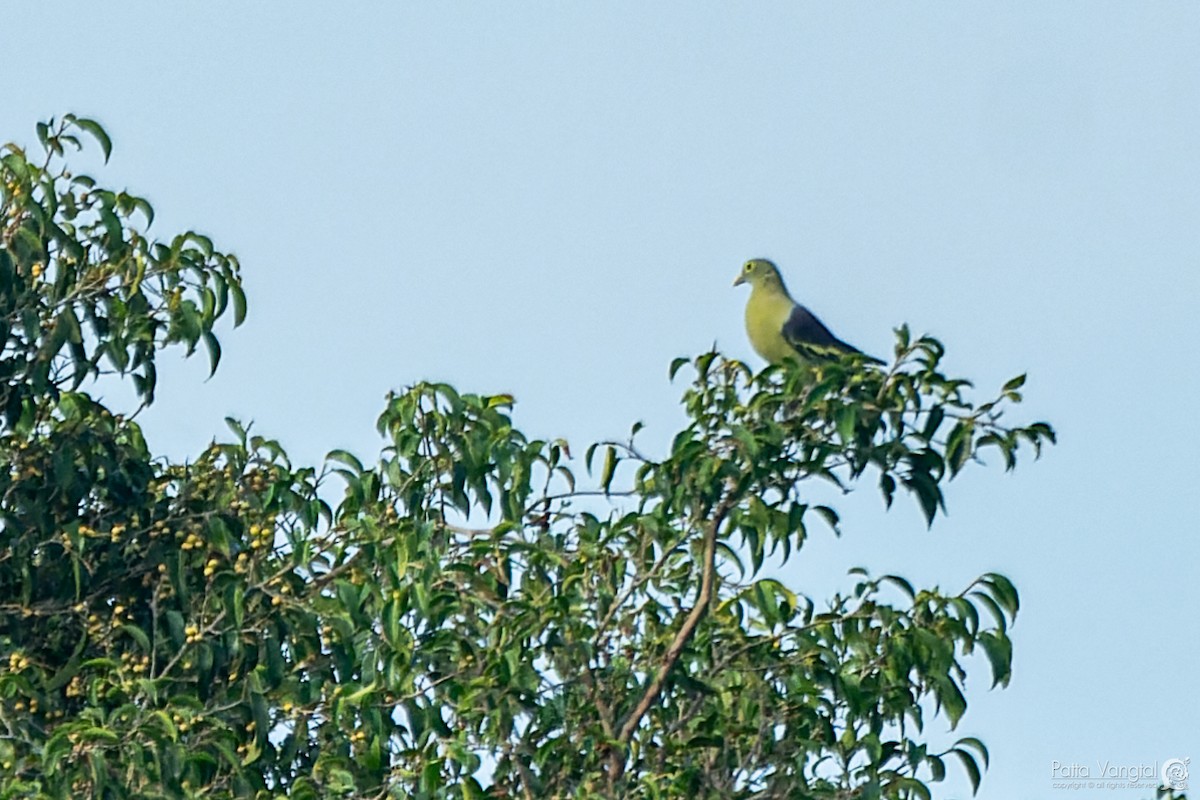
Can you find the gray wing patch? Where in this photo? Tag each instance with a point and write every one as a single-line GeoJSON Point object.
{"type": "Point", "coordinates": [809, 335]}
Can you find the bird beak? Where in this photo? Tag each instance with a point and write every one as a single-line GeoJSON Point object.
{"type": "Point", "coordinates": [739, 280]}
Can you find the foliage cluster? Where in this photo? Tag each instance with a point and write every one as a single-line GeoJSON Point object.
{"type": "Point", "coordinates": [217, 628]}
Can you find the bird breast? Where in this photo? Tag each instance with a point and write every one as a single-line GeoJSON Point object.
{"type": "Point", "coordinates": [766, 314]}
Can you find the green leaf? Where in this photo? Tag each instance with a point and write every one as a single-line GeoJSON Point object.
{"type": "Point", "coordinates": [976, 745]}
{"type": "Point", "coordinates": [147, 210]}
{"type": "Point", "coordinates": [998, 648]}
{"type": "Point", "coordinates": [214, 351]}
{"type": "Point", "coordinates": [610, 468]}
{"type": "Point", "coordinates": [887, 485]}
{"type": "Point", "coordinates": [997, 612]}
{"type": "Point", "coordinates": [17, 164]}
{"type": "Point", "coordinates": [902, 584]}
{"type": "Point", "coordinates": [830, 516]}
{"type": "Point", "coordinates": [847, 418]}
{"type": "Point", "coordinates": [239, 302]}
{"type": "Point", "coordinates": [971, 768]}
{"type": "Point", "coordinates": [928, 495]}
{"type": "Point", "coordinates": [959, 446]}
{"type": "Point", "coordinates": [966, 612]}
{"type": "Point", "coordinates": [933, 422]}
{"type": "Point", "coordinates": [98, 133]}
{"type": "Point", "coordinates": [346, 458]}
{"type": "Point", "coordinates": [950, 698]}
{"type": "Point", "coordinates": [1014, 384]}
{"type": "Point", "coordinates": [1004, 592]}
{"type": "Point", "coordinates": [910, 787]}
{"type": "Point", "coordinates": [138, 635]}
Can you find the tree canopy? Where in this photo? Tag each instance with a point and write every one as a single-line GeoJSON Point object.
{"type": "Point", "coordinates": [471, 613]}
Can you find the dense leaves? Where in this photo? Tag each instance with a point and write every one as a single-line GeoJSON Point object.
{"type": "Point", "coordinates": [465, 621]}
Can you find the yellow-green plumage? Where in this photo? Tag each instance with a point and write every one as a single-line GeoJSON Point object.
{"type": "Point", "coordinates": [780, 328]}
{"type": "Point", "coordinates": [767, 311]}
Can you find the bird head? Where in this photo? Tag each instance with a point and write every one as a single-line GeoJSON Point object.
{"type": "Point", "coordinates": [758, 272]}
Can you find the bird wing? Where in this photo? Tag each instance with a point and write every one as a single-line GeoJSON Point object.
{"type": "Point", "coordinates": [808, 335]}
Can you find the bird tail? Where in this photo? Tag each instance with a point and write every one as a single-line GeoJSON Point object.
{"type": "Point", "coordinates": [849, 349]}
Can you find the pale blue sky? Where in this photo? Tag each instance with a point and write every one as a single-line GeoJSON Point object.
{"type": "Point", "coordinates": [552, 199]}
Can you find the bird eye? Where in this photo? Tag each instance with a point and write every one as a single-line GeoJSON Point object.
{"type": "Point", "coordinates": [747, 267]}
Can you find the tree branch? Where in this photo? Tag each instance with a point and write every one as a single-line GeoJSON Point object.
{"type": "Point", "coordinates": [686, 631]}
